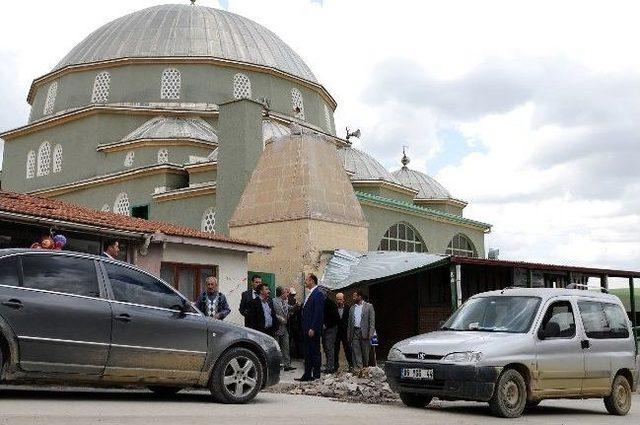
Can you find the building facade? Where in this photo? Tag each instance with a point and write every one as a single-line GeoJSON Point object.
{"type": "Point", "coordinates": [165, 113]}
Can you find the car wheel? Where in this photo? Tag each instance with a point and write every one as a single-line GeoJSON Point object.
{"type": "Point", "coordinates": [165, 391]}
{"type": "Point", "coordinates": [619, 401]}
{"type": "Point", "coordinates": [237, 376]}
{"type": "Point", "coordinates": [532, 404]}
{"type": "Point", "coordinates": [510, 395]}
{"type": "Point", "coordinates": [415, 400]}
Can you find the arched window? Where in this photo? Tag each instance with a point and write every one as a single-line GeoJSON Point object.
{"type": "Point", "coordinates": [121, 205]}
{"type": "Point", "coordinates": [101, 84]}
{"type": "Point", "coordinates": [44, 159]}
{"type": "Point", "coordinates": [128, 159]}
{"type": "Point", "coordinates": [163, 156]}
{"type": "Point", "coordinates": [461, 246]}
{"type": "Point", "coordinates": [57, 159]}
{"type": "Point", "coordinates": [327, 117]}
{"type": "Point", "coordinates": [105, 208]}
{"type": "Point", "coordinates": [51, 98]}
{"type": "Point", "coordinates": [208, 220]}
{"type": "Point", "coordinates": [241, 87]}
{"type": "Point", "coordinates": [170, 84]}
{"type": "Point", "coordinates": [31, 164]}
{"type": "Point", "coordinates": [297, 103]}
{"type": "Point", "coordinates": [402, 237]}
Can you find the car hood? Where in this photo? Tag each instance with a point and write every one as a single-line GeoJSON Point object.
{"type": "Point", "coordinates": [441, 343]}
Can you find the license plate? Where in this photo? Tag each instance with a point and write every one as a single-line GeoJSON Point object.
{"type": "Point", "coordinates": [417, 374]}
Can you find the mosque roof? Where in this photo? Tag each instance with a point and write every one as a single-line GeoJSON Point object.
{"type": "Point", "coordinates": [183, 30]}
{"type": "Point", "coordinates": [427, 186]}
{"type": "Point", "coordinates": [363, 166]}
{"type": "Point", "coordinates": [164, 128]}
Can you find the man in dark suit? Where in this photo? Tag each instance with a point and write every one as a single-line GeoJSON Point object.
{"type": "Point", "coordinates": [342, 338]}
{"type": "Point", "coordinates": [247, 296]}
{"type": "Point", "coordinates": [312, 321]}
{"type": "Point", "coordinates": [111, 249]}
{"type": "Point", "coordinates": [261, 315]}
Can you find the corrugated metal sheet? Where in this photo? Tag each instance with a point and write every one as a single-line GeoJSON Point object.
{"type": "Point", "coordinates": [347, 268]}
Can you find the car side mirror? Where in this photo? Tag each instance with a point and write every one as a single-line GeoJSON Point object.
{"type": "Point", "coordinates": [182, 308]}
{"type": "Point", "coordinates": [440, 324]}
{"type": "Point", "coordinates": [551, 330]}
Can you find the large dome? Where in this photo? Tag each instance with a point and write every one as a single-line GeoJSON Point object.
{"type": "Point", "coordinates": [188, 31]}
{"type": "Point", "coordinates": [427, 187]}
{"type": "Point", "coordinates": [363, 166]}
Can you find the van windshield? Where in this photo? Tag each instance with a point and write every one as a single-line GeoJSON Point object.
{"type": "Point", "coordinates": [494, 314]}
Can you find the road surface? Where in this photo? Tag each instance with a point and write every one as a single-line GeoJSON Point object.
{"type": "Point", "coordinates": [89, 406]}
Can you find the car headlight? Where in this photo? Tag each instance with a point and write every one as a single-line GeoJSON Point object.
{"type": "Point", "coordinates": [463, 357]}
{"type": "Point", "coordinates": [395, 354]}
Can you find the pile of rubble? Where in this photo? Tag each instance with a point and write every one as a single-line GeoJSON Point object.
{"type": "Point", "coordinates": [368, 386]}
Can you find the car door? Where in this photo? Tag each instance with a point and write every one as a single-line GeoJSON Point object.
{"type": "Point", "coordinates": [62, 323]}
{"type": "Point", "coordinates": [152, 341]}
{"type": "Point", "coordinates": [560, 361]}
{"type": "Point", "coordinates": [606, 342]}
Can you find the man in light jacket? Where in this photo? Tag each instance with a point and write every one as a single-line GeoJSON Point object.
{"type": "Point", "coordinates": [283, 313]}
{"type": "Point", "coordinates": [361, 327]}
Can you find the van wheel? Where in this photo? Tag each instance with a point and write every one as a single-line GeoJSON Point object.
{"type": "Point", "coordinates": [619, 401]}
{"type": "Point", "coordinates": [237, 377]}
{"type": "Point", "coordinates": [510, 395]}
{"type": "Point", "coordinates": [415, 400]}
{"type": "Point", "coordinates": [165, 391]}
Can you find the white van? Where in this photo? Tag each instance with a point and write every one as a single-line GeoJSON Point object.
{"type": "Point", "coordinates": [518, 346]}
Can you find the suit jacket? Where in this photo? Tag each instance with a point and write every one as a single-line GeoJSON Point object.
{"type": "Point", "coordinates": [343, 323]}
{"type": "Point", "coordinates": [222, 305]}
{"type": "Point", "coordinates": [313, 313]}
{"type": "Point", "coordinates": [331, 316]}
{"type": "Point", "coordinates": [256, 319]}
{"type": "Point", "coordinates": [245, 300]}
{"type": "Point", "coordinates": [283, 312]}
{"type": "Point", "coordinates": [367, 322]}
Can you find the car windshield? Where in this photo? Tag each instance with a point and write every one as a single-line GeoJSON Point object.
{"type": "Point", "coordinates": [494, 314]}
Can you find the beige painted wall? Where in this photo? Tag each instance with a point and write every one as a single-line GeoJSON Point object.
{"type": "Point", "coordinates": [232, 270]}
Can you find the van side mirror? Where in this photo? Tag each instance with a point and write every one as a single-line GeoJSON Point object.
{"type": "Point", "coordinates": [551, 330]}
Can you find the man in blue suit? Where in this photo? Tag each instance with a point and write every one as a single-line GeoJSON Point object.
{"type": "Point", "coordinates": [312, 320]}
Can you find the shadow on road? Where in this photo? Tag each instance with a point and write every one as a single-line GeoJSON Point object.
{"type": "Point", "coordinates": [81, 394]}
{"type": "Point", "coordinates": [540, 411]}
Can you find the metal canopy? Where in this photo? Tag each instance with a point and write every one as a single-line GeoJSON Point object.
{"type": "Point", "coordinates": [348, 268]}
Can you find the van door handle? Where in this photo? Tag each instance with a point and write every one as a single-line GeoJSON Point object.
{"type": "Point", "coordinates": [123, 318]}
{"type": "Point", "coordinates": [585, 344]}
{"type": "Point", "coordinates": [13, 303]}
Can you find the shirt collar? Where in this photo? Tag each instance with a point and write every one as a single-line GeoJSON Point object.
{"type": "Point", "coordinates": [107, 254]}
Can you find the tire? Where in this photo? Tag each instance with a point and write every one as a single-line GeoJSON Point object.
{"type": "Point", "coordinates": [415, 400]}
{"type": "Point", "coordinates": [165, 391]}
{"type": "Point", "coordinates": [619, 401]}
{"type": "Point", "coordinates": [510, 395]}
{"type": "Point", "coordinates": [237, 376]}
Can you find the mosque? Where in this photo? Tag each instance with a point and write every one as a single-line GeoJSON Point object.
{"type": "Point", "coordinates": [197, 116]}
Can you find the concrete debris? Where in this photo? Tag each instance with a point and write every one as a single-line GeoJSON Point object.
{"type": "Point", "coordinates": [368, 386]}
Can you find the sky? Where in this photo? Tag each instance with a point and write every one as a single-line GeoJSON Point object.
{"type": "Point", "coordinates": [528, 110]}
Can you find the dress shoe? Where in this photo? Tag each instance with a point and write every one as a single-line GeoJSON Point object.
{"type": "Point", "coordinates": [303, 379]}
{"type": "Point", "coordinates": [289, 368]}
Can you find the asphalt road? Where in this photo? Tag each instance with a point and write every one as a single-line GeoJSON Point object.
{"type": "Point", "coordinates": [75, 407]}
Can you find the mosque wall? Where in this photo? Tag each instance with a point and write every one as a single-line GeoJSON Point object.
{"type": "Point", "coordinates": [185, 211]}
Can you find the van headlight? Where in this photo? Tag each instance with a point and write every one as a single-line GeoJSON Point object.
{"type": "Point", "coordinates": [395, 354]}
{"type": "Point", "coordinates": [463, 357]}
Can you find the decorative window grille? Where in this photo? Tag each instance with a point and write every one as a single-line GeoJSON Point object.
{"type": "Point", "coordinates": [128, 159]}
{"type": "Point", "coordinates": [57, 159]}
{"type": "Point", "coordinates": [121, 205]}
{"type": "Point", "coordinates": [402, 237]}
{"type": "Point", "coordinates": [208, 221]}
{"type": "Point", "coordinates": [31, 164]}
{"type": "Point", "coordinates": [298, 103]}
{"type": "Point", "coordinates": [461, 246]}
{"type": "Point", "coordinates": [241, 87]}
{"type": "Point", "coordinates": [105, 208]}
{"type": "Point", "coordinates": [170, 84]}
{"type": "Point", "coordinates": [44, 159]}
{"type": "Point", "coordinates": [327, 117]}
{"type": "Point", "coordinates": [163, 156]}
{"type": "Point", "coordinates": [51, 98]}
{"type": "Point", "coordinates": [101, 84]}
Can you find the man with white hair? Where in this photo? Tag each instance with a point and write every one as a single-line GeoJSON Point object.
{"type": "Point", "coordinates": [212, 302]}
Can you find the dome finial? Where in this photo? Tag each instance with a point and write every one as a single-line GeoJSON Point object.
{"type": "Point", "coordinates": [405, 159]}
{"type": "Point", "coordinates": [193, 2]}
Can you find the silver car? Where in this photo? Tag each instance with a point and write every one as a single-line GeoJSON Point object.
{"type": "Point", "coordinates": [516, 347]}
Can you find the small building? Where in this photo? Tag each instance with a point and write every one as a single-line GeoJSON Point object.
{"type": "Point", "coordinates": [413, 292]}
{"type": "Point", "coordinates": [179, 255]}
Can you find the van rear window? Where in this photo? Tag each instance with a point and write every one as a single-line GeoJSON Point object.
{"type": "Point", "coordinates": [603, 320]}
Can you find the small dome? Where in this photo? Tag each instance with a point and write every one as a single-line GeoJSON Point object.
{"type": "Point", "coordinates": [427, 187]}
{"type": "Point", "coordinates": [363, 166]}
{"type": "Point", "coordinates": [181, 30]}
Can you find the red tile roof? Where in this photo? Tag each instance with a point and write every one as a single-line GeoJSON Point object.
{"type": "Point", "coordinates": [53, 209]}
